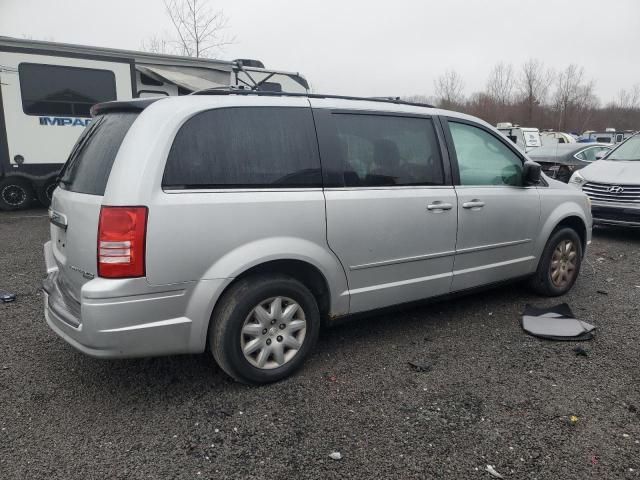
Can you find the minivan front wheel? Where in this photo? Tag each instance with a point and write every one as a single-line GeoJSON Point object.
{"type": "Point", "coordinates": [560, 263]}
{"type": "Point", "coordinates": [263, 328]}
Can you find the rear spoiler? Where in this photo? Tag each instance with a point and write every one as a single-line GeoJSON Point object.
{"type": "Point", "coordinates": [136, 105]}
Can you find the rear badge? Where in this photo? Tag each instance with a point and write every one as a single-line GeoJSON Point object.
{"type": "Point", "coordinates": [85, 274]}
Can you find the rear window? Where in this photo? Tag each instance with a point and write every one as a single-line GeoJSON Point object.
{"type": "Point", "coordinates": [59, 90]}
{"type": "Point", "coordinates": [248, 147]}
{"type": "Point", "coordinates": [89, 165]}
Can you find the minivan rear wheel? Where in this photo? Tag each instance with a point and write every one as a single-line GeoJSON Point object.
{"type": "Point", "coordinates": [560, 263]}
{"type": "Point", "coordinates": [263, 328]}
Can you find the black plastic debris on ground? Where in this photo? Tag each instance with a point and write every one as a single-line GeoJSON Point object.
{"type": "Point", "coordinates": [420, 366]}
{"type": "Point", "coordinates": [6, 297]}
{"type": "Point", "coordinates": [581, 352]}
{"type": "Point", "coordinates": [555, 323]}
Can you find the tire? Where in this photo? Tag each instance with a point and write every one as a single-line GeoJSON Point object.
{"type": "Point", "coordinates": [45, 191]}
{"type": "Point", "coordinates": [16, 193]}
{"type": "Point", "coordinates": [239, 325]}
{"type": "Point", "coordinates": [561, 256]}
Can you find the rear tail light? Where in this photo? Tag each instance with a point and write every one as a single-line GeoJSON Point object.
{"type": "Point", "coordinates": [122, 235]}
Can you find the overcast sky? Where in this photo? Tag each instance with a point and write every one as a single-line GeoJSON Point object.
{"type": "Point", "coordinates": [371, 47]}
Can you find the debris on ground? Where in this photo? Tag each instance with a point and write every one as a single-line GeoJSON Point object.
{"type": "Point", "coordinates": [581, 352]}
{"type": "Point", "coordinates": [420, 367]}
{"type": "Point", "coordinates": [555, 323]}
{"type": "Point", "coordinates": [573, 419]}
{"type": "Point", "coordinates": [492, 472]}
{"type": "Point", "coordinates": [602, 292]}
{"type": "Point", "coordinates": [335, 456]}
{"type": "Point", "coordinates": [6, 297]}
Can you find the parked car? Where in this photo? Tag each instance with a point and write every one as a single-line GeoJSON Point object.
{"type": "Point", "coordinates": [613, 185]}
{"type": "Point", "coordinates": [560, 161]}
{"type": "Point", "coordinates": [235, 222]}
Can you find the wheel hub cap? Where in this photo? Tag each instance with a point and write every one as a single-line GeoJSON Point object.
{"type": "Point", "coordinates": [273, 333]}
{"type": "Point", "coordinates": [13, 195]}
{"type": "Point", "coordinates": [563, 263]}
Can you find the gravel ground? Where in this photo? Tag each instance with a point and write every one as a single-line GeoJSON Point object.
{"type": "Point", "coordinates": [490, 395]}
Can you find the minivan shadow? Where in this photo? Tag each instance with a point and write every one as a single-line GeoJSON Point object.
{"type": "Point", "coordinates": [195, 376]}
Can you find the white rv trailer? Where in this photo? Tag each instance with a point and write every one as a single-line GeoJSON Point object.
{"type": "Point", "coordinates": [47, 90]}
{"type": "Point", "coordinates": [526, 138]}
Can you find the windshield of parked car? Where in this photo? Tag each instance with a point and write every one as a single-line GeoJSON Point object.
{"type": "Point", "coordinates": [629, 150]}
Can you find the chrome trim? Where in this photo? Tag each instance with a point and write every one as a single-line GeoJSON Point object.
{"type": "Point", "coordinates": [493, 246]}
{"type": "Point", "coordinates": [396, 261]}
{"type": "Point", "coordinates": [493, 265]}
{"type": "Point", "coordinates": [430, 256]}
{"type": "Point", "coordinates": [401, 283]}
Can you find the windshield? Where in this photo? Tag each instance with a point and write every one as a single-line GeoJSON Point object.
{"type": "Point", "coordinates": [629, 150]}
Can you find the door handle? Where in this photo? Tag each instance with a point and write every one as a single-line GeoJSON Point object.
{"type": "Point", "coordinates": [439, 206]}
{"type": "Point", "coordinates": [473, 204]}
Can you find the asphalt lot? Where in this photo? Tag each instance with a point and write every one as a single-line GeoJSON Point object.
{"type": "Point", "coordinates": [490, 395]}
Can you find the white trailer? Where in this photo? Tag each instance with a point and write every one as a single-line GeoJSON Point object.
{"type": "Point", "coordinates": [526, 138]}
{"type": "Point", "coordinates": [47, 90]}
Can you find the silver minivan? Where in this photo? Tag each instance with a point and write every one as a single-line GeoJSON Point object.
{"type": "Point", "coordinates": [237, 222]}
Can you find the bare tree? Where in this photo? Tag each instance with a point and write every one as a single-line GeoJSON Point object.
{"type": "Point", "coordinates": [156, 44]}
{"type": "Point", "coordinates": [629, 99]}
{"type": "Point", "coordinates": [573, 96]}
{"type": "Point", "coordinates": [533, 85]}
{"type": "Point", "coordinates": [449, 89]}
{"type": "Point", "coordinates": [199, 30]}
{"type": "Point", "coordinates": [501, 83]}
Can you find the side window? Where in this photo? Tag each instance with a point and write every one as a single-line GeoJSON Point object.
{"type": "Point", "coordinates": [382, 150]}
{"type": "Point", "coordinates": [252, 147]}
{"type": "Point", "coordinates": [589, 154]}
{"type": "Point", "coordinates": [483, 159]}
{"type": "Point", "coordinates": [58, 90]}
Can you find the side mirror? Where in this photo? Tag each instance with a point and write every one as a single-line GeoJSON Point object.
{"type": "Point", "coordinates": [531, 173]}
{"type": "Point", "coordinates": [601, 154]}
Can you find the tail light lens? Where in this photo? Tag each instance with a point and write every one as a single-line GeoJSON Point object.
{"type": "Point", "coordinates": [122, 235]}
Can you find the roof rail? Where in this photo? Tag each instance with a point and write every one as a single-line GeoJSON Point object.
{"type": "Point", "coordinates": [233, 90]}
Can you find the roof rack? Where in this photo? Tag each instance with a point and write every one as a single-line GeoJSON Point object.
{"type": "Point", "coordinates": [234, 90]}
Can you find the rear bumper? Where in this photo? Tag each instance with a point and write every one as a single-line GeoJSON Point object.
{"type": "Point", "coordinates": [624, 215]}
{"type": "Point", "coordinates": [104, 323]}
